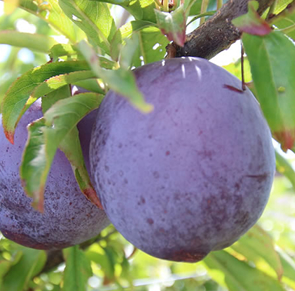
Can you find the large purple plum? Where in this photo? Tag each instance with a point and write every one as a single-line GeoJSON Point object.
{"type": "Point", "coordinates": [69, 218]}
{"type": "Point", "coordinates": [193, 175]}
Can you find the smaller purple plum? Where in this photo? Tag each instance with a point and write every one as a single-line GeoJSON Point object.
{"type": "Point", "coordinates": [69, 218]}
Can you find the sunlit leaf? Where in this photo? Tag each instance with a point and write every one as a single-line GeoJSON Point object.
{"type": "Point", "coordinates": [14, 102]}
{"type": "Point", "coordinates": [140, 9]}
{"type": "Point", "coordinates": [60, 50]}
{"type": "Point", "coordinates": [257, 245]}
{"type": "Point", "coordinates": [236, 69]}
{"type": "Point", "coordinates": [56, 82]}
{"type": "Point", "coordinates": [288, 265]}
{"type": "Point", "coordinates": [120, 80]}
{"type": "Point", "coordinates": [38, 42]}
{"type": "Point", "coordinates": [128, 52]}
{"type": "Point", "coordinates": [152, 46]}
{"type": "Point", "coordinates": [125, 32]}
{"type": "Point", "coordinates": [281, 5]}
{"type": "Point", "coordinates": [10, 6]}
{"type": "Point", "coordinates": [19, 275]}
{"type": "Point", "coordinates": [285, 168]}
{"type": "Point", "coordinates": [51, 12]}
{"type": "Point", "coordinates": [4, 267]}
{"type": "Point", "coordinates": [93, 18]}
{"type": "Point", "coordinates": [235, 274]}
{"type": "Point", "coordinates": [286, 22]}
{"type": "Point", "coordinates": [272, 70]}
{"type": "Point", "coordinates": [152, 42]}
{"type": "Point", "coordinates": [92, 85]}
{"type": "Point", "coordinates": [77, 270]}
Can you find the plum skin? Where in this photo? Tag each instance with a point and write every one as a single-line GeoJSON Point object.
{"type": "Point", "coordinates": [193, 175]}
{"type": "Point", "coordinates": [69, 218]}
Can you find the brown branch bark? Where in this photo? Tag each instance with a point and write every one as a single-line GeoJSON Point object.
{"type": "Point", "coordinates": [217, 33]}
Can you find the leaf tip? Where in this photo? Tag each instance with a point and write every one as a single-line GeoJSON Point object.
{"type": "Point", "coordinates": [145, 108]}
{"type": "Point", "coordinates": [38, 205]}
{"type": "Point", "coordinates": [92, 196]}
{"type": "Point", "coordinates": [178, 38]}
{"type": "Point", "coordinates": [286, 138]}
{"type": "Point", "coordinates": [38, 197]}
{"type": "Point", "coordinates": [9, 135]}
{"type": "Point", "coordinates": [251, 22]}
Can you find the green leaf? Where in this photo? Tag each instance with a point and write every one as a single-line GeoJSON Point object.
{"type": "Point", "coordinates": [4, 268]}
{"type": "Point", "coordinates": [125, 32]}
{"type": "Point", "coordinates": [285, 168]}
{"type": "Point", "coordinates": [152, 45]}
{"type": "Point", "coordinates": [288, 264]}
{"type": "Point", "coordinates": [128, 52]}
{"type": "Point", "coordinates": [19, 275]}
{"type": "Point", "coordinates": [286, 23]}
{"type": "Point", "coordinates": [77, 270]}
{"type": "Point", "coordinates": [37, 42]}
{"type": "Point", "coordinates": [236, 69]}
{"type": "Point", "coordinates": [140, 9]}
{"type": "Point", "coordinates": [210, 13]}
{"type": "Point", "coordinates": [92, 85]}
{"type": "Point", "coordinates": [59, 81]}
{"type": "Point", "coordinates": [60, 50]}
{"type": "Point", "coordinates": [70, 144]}
{"type": "Point", "coordinates": [93, 18]}
{"type": "Point", "coordinates": [52, 97]}
{"type": "Point", "coordinates": [272, 74]}
{"type": "Point", "coordinates": [173, 24]}
{"type": "Point", "coordinates": [251, 22]}
{"type": "Point", "coordinates": [9, 7]}
{"type": "Point", "coordinates": [51, 12]}
{"type": "Point", "coordinates": [152, 42]}
{"type": "Point", "coordinates": [35, 152]}
{"type": "Point", "coordinates": [120, 80]}
{"type": "Point", "coordinates": [281, 5]}
{"type": "Point", "coordinates": [15, 100]}
{"type": "Point", "coordinates": [46, 135]}
{"type": "Point", "coordinates": [255, 245]}
{"type": "Point", "coordinates": [235, 275]}
{"type": "Point", "coordinates": [195, 8]}
{"type": "Point", "coordinates": [104, 260]}
{"type": "Point", "coordinates": [36, 163]}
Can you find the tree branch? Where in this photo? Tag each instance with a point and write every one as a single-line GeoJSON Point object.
{"type": "Point", "coordinates": [217, 33]}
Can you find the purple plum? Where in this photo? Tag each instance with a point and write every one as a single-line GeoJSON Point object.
{"type": "Point", "coordinates": [69, 218]}
{"type": "Point", "coordinates": [193, 175]}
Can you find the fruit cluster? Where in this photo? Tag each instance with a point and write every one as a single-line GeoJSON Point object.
{"type": "Point", "coordinates": [68, 218]}
{"type": "Point", "coordinates": [190, 177]}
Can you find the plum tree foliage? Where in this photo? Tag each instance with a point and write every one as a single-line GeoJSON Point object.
{"type": "Point", "coordinates": [181, 154]}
